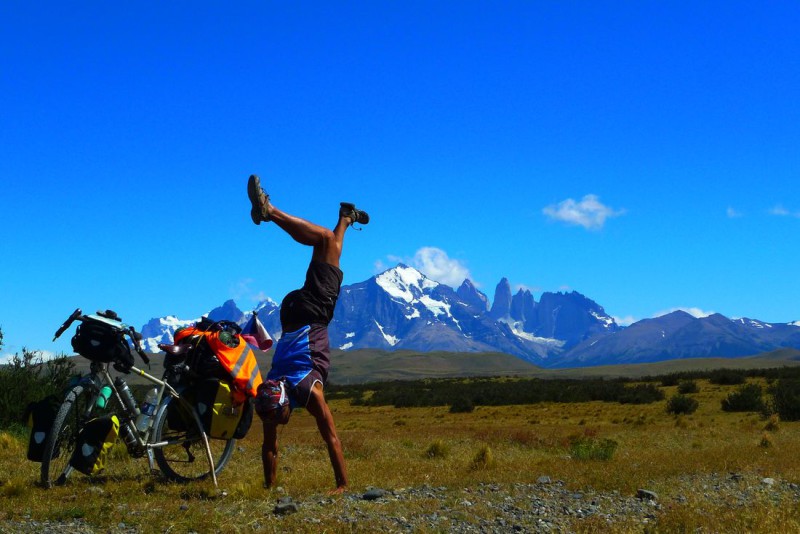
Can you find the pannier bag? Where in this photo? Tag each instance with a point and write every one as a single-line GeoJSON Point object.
{"type": "Point", "coordinates": [224, 341]}
{"type": "Point", "coordinates": [100, 340]}
{"type": "Point", "coordinates": [221, 415]}
{"type": "Point", "coordinates": [40, 416]}
{"type": "Point", "coordinates": [178, 418]}
{"type": "Point", "coordinates": [95, 439]}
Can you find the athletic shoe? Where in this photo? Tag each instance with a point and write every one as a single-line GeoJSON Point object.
{"type": "Point", "coordinates": [259, 200]}
{"type": "Point", "coordinates": [356, 216]}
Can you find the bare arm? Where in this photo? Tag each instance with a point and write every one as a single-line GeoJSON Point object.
{"type": "Point", "coordinates": [269, 453]}
{"type": "Point", "coordinates": [327, 429]}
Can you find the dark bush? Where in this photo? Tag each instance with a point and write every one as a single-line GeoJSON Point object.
{"type": "Point", "coordinates": [681, 404]}
{"type": "Point", "coordinates": [727, 377]}
{"type": "Point", "coordinates": [745, 399]}
{"type": "Point", "coordinates": [641, 394]}
{"type": "Point", "coordinates": [786, 399]}
{"type": "Point", "coordinates": [462, 405]}
{"type": "Point", "coordinates": [26, 379]}
{"type": "Point", "coordinates": [687, 386]}
{"type": "Point", "coordinates": [670, 380]}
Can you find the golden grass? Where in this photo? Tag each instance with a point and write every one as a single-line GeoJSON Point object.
{"type": "Point", "coordinates": [404, 448]}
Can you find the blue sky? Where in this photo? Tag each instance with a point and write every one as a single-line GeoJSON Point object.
{"type": "Point", "coordinates": [644, 154]}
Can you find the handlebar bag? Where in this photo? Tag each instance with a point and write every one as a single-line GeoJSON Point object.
{"type": "Point", "coordinates": [95, 439]}
{"type": "Point", "coordinates": [101, 342]}
{"type": "Point", "coordinates": [41, 415]}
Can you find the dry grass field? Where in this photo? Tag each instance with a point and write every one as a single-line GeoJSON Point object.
{"type": "Point", "coordinates": [397, 449]}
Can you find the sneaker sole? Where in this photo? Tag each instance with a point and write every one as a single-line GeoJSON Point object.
{"type": "Point", "coordinates": [253, 192]}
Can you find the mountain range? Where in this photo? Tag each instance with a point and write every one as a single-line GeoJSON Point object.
{"type": "Point", "coordinates": [401, 308]}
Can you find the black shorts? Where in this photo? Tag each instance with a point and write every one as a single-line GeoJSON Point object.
{"type": "Point", "coordinates": [301, 393]}
{"type": "Point", "coordinates": [315, 301]}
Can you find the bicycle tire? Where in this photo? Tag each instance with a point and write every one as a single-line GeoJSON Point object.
{"type": "Point", "coordinates": [70, 418]}
{"type": "Point", "coordinates": [185, 459]}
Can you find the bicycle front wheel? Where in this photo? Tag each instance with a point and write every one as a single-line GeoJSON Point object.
{"type": "Point", "coordinates": [182, 457]}
{"type": "Point", "coordinates": [72, 415]}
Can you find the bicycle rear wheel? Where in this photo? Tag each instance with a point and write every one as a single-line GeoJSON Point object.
{"type": "Point", "coordinates": [72, 415]}
{"type": "Point", "coordinates": [183, 458]}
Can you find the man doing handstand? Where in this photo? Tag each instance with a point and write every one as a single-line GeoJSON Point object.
{"type": "Point", "coordinates": [302, 355]}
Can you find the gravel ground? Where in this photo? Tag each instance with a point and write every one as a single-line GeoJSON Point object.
{"type": "Point", "coordinates": [546, 506]}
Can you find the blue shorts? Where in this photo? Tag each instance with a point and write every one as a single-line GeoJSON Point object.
{"type": "Point", "coordinates": [302, 357]}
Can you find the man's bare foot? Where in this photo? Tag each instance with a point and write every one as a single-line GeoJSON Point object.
{"type": "Point", "coordinates": [338, 491]}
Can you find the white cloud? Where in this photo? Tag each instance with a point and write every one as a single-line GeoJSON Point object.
{"type": "Point", "coordinates": [733, 214]}
{"type": "Point", "coordinates": [780, 211]}
{"type": "Point", "coordinates": [694, 312]}
{"type": "Point", "coordinates": [41, 355]}
{"type": "Point", "coordinates": [625, 321]}
{"type": "Point", "coordinates": [434, 263]}
{"type": "Point", "coordinates": [589, 212]}
{"type": "Point", "coordinates": [437, 265]}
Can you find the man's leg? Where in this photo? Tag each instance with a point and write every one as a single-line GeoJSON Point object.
{"type": "Point", "coordinates": [327, 429]}
{"type": "Point", "coordinates": [327, 243]}
{"type": "Point", "coordinates": [269, 453]}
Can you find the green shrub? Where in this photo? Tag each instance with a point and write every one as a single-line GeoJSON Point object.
{"type": "Point", "coordinates": [640, 394]}
{"type": "Point", "coordinates": [670, 380]}
{"type": "Point", "coordinates": [745, 399]}
{"type": "Point", "coordinates": [483, 459]}
{"type": "Point", "coordinates": [462, 405]}
{"type": "Point", "coordinates": [687, 386]}
{"type": "Point", "coordinates": [773, 423]}
{"type": "Point", "coordinates": [437, 449]}
{"type": "Point", "coordinates": [26, 379]}
{"type": "Point", "coordinates": [786, 399]}
{"type": "Point", "coordinates": [681, 404]}
{"type": "Point", "coordinates": [727, 377]}
{"type": "Point", "coordinates": [590, 448]}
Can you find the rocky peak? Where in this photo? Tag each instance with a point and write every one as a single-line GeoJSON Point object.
{"type": "Point", "coordinates": [501, 306]}
{"type": "Point", "coordinates": [473, 296]}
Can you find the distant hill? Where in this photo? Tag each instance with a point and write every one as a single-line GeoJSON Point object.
{"type": "Point", "coordinates": [361, 366]}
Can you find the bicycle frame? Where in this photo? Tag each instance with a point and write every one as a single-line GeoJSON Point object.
{"type": "Point", "coordinates": [142, 438]}
{"type": "Point", "coordinates": [164, 386]}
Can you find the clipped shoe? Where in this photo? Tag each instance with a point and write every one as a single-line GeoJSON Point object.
{"type": "Point", "coordinates": [259, 200]}
{"type": "Point", "coordinates": [346, 209]}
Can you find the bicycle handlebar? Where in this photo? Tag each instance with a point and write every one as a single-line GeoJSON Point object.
{"type": "Point", "coordinates": [129, 331]}
{"type": "Point", "coordinates": [138, 346]}
{"type": "Point", "coordinates": [67, 323]}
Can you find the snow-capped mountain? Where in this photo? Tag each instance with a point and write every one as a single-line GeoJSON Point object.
{"type": "Point", "coordinates": [161, 330]}
{"type": "Point", "coordinates": [680, 335]}
{"type": "Point", "coordinates": [401, 308]}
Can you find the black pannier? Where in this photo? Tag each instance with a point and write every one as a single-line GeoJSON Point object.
{"type": "Point", "coordinates": [102, 342]}
{"type": "Point", "coordinates": [94, 441]}
{"type": "Point", "coordinates": [41, 415]}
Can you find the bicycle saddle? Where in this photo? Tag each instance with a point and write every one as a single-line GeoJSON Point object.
{"type": "Point", "coordinates": [175, 350]}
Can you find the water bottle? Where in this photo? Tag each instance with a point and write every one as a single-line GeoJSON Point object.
{"type": "Point", "coordinates": [127, 434]}
{"type": "Point", "coordinates": [103, 396]}
{"type": "Point", "coordinates": [147, 411]}
{"type": "Point", "coordinates": [127, 397]}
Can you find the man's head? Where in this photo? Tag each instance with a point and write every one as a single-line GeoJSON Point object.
{"type": "Point", "coordinates": [272, 402]}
